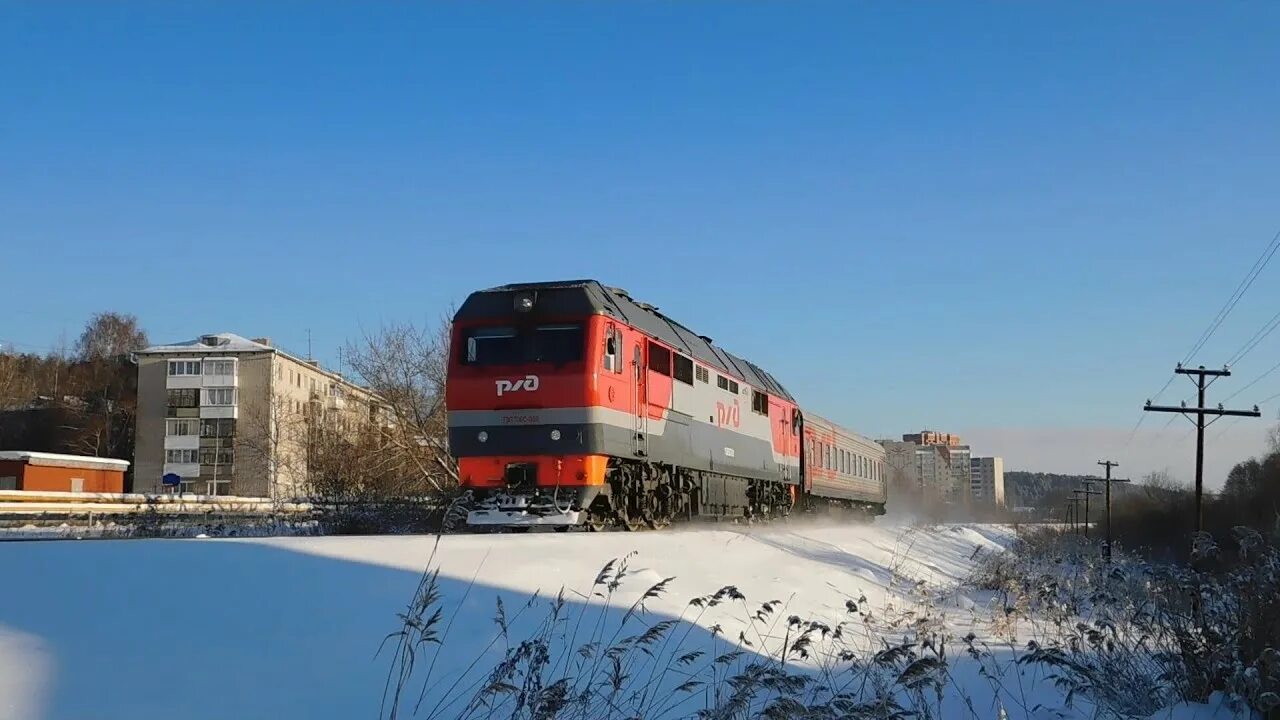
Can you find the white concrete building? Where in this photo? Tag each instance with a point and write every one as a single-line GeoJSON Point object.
{"type": "Point", "coordinates": [987, 482]}
{"type": "Point", "coordinates": [226, 415]}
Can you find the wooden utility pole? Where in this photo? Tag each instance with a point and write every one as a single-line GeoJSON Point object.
{"type": "Point", "coordinates": [1073, 513]}
{"type": "Point", "coordinates": [1200, 411]}
{"type": "Point", "coordinates": [1108, 465]}
{"type": "Point", "coordinates": [1085, 493]}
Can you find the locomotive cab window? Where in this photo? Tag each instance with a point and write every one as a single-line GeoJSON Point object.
{"type": "Point", "coordinates": [684, 369]}
{"type": "Point", "coordinates": [659, 359]}
{"type": "Point", "coordinates": [759, 402]}
{"type": "Point", "coordinates": [492, 346]}
{"type": "Point", "coordinates": [557, 343]}
{"type": "Point", "coordinates": [613, 350]}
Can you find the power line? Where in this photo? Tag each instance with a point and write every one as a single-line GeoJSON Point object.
{"type": "Point", "coordinates": [1255, 270]}
{"type": "Point", "coordinates": [1267, 328]}
{"type": "Point", "coordinates": [1253, 382]}
{"type": "Point", "coordinates": [1235, 420]}
{"type": "Point", "coordinates": [1258, 266]}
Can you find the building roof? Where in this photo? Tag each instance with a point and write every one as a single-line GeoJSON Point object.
{"type": "Point", "coordinates": [57, 460]}
{"type": "Point", "coordinates": [618, 303]}
{"type": "Point", "coordinates": [212, 343]}
{"type": "Point", "coordinates": [225, 342]}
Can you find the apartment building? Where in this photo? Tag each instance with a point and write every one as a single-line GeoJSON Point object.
{"type": "Point", "coordinates": [960, 461]}
{"type": "Point", "coordinates": [902, 472]}
{"type": "Point", "coordinates": [987, 484]}
{"type": "Point", "coordinates": [217, 411]}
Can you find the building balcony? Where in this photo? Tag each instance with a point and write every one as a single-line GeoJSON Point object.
{"type": "Point", "coordinates": [186, 470]}
{"type": "Point", "coordinates": [219, 411]}
{"type": "Point", "coordinates": [220, 380]}
{"type": "Point", "coordinates": [176, 382]}
{"type": "Point", "coordinates": [181, 442]}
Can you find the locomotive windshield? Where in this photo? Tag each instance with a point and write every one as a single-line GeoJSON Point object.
{"type": "Point", "coordinates": [555, 344]}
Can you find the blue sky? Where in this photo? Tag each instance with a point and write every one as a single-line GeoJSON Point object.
{"type": "Point", "coordinates": [991, 218]}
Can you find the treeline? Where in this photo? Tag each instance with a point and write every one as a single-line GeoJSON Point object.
{"type": "Point", "coordinates": [82, 401]}
{"type": "Point", "coordinates": [1157, 517]}
{"type": "Point", "coordinates": [1048, 492]}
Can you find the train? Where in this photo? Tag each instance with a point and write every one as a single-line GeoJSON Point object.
{"type": "Point", "coordinates": [573, 405]}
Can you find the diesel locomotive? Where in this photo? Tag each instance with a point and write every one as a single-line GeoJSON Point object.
{"type": "Point", "coordinates": [573, 404]}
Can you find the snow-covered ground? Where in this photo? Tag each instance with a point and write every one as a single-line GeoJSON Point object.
{"type": "Point", "coordinates": [289, 627]}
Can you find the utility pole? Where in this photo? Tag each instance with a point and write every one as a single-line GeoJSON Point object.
{"type": "Point", "coordinates": [1200, 411]}
{"type": "Point", "coordinates": [1085, 493]}
{"type": "Point", "coordinates": [1073, 513]}
{"type": "Point", "coordinates": [1108, 464]}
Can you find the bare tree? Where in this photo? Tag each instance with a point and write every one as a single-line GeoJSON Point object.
{"type": "Point", "coordinates": [110, 334]}
{"type": "Point", "coordinates": [406, 366]}
{"type": "Point", "coordinates": [276, 437]}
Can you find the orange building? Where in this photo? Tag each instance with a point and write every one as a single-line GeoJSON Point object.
{"type": "Point", "coordinates": [932, 437]}
{"type": "Point", "coordinates": [22, 470]}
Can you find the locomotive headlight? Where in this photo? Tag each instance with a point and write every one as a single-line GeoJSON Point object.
{"type": "Point", "coordinates": [524, 302]}
{"type": "Point", "coordinates": [555, 434]}
{"type": "Point", "coordinates": [482, 436]}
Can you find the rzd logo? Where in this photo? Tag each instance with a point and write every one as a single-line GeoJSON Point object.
{"type": "Point", "coordinates": [528, 382]}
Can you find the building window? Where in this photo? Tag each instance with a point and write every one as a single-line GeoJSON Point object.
{"type": "Point", "coordinates": [220, 396]}
{"type": "Point", "coordinates": [178, 428]}
{"type": "Point", "coordinates": [184, 367]}
{"type": "Point", "coordinates": [184, 457]}
{"type": "Point", "coordinates": [759, 402]}
{"type": "Point", "coordinates": [216, 456]}
{"type": "Point", "coordinates": [217, 427]}
{"type": "Point", "coordinates": [684, 369]}
{"type": "Point", "coordinates": [184, 397]}
{"type": "Point", "coordinates": [219, 367]}
{"type": "Point", "coordinates": [702, 374]}
{"type": "Point", "coordinates": [659, 359]}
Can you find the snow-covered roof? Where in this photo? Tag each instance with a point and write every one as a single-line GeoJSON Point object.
{"type": "Point", "coordinates": [213, 343]}
{"type": "Point", "coordinates": [57, 460]}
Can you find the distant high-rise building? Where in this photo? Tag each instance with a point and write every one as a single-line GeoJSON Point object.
{"type": "Point", "coordinates": [933, 467]}
{"type": "Point", "coordinates": [987, 482]}
{"type": "Point", "coordinates": [902, 471]}
{"type": "Point", "coordinates": [931, 437]}
{"type": "Point", "coordinates": [958, 458]}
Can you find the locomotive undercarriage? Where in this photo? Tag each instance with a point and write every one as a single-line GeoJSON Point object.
{"type": "Point", "coordinates": [636, 495]}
